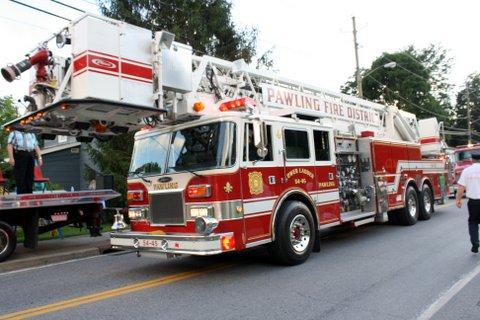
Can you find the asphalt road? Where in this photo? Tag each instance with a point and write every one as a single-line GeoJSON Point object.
{"type": "Point", "coordinates": [372, 272]}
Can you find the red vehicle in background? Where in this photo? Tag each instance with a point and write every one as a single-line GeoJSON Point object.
{"type": "Point", "coordinates": [463, 159]}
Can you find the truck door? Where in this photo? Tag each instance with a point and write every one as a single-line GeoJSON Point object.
{"type": "Point", "coordinates": [260, 178]}
{"type": "Point", "coordinates": [326, 188]}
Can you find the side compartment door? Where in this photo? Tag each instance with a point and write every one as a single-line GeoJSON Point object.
{"type": "Point", "coordinates": [326, 183]}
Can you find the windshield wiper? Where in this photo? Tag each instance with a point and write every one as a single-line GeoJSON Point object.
{"type": "Point", "coordinates": [188, 170]}
{"type": "Point", "coordinates": [136, 174]}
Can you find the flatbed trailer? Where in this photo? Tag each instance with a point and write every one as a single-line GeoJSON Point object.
{"type": "Point", "coordinates": [57, 208]}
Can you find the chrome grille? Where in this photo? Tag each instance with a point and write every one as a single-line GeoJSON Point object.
{"type": "Point", "coordinates": [166, 208]}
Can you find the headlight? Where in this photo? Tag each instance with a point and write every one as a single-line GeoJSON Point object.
{"type": "Point", "coordinates": [202, 211]}
{"type": "Point", "coordinates": [137, 213]}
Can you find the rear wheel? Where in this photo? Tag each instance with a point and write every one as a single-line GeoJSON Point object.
{"type": "Point", "coordinates": [294, 234]}
{"type": "Point", "coordinates": [427, 202]}
{"type": "Point", "coordinates": [409, 215]}
{"type": "Point", "coordinates": [8, 241]}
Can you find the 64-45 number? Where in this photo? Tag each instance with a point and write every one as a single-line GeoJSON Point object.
{"type": "Point", "coordinates": [300, 181]}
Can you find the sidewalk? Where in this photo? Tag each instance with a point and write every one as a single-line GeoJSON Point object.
{"type": "Point", "coordinates": [56, 250]}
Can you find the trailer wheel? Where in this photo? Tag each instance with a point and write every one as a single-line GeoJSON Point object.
{"type": "Point", "coordinates": [409, 215]}
{"type": "Point", "coordinates": [294, 234]}
{"type": "Point", "coordinates": [8, 241]}
{"type": "Point", "coordinates": [427, 201]}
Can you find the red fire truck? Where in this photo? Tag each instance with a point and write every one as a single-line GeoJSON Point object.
{"type": "Point", "coordinates": [229, 157]}
{"type": "Point", "coordinates": [463, 159]}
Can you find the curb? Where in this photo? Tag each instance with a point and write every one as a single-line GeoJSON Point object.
{"type": "Point", "coordinates": [31, 262]}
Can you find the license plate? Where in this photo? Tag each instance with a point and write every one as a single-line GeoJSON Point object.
{"type": "Point", "coordinates": [58, 217]}
{"type": "Point", "coordinates": [146, 243]}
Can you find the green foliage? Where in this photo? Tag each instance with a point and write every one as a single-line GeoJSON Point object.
{"type": "Point", "coordinates": [417, 84]}
{"type": "Point", "coordinates": [470, 95]}
{"type": "Point", "coordinates": [8, 112]}
{"type": "Point", "coordinates": [113, 157]}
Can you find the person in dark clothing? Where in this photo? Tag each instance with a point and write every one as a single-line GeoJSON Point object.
{"type": "Point", "coordinates": [22, 148]}
{"type": "Point", "coordinates": [470, 181]}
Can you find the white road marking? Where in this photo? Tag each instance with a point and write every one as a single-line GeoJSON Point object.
{"type": "Point", "coordinates": [62, 262]}
{"type": "Point", "coordinates": [446, 296]}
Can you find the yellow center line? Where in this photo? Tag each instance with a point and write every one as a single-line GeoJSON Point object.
{"type": "Point", "coordinates": [71, 303]}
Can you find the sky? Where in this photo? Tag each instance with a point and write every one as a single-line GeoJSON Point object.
{"type": "Point", "coordinates": [312, 41]}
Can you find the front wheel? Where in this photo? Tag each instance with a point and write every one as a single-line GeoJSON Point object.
{"type": "Point", "coordinates": [8, 241]}
{"type": "Point", "coordinates": [294, 234]}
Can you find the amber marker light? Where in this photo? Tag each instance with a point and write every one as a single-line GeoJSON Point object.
{"type": "Point", "coordinates": [199, 191]}
{"type": "Point", "coordinates": [135, 195]}
{"type": "Point", "coordinates": [198, 106]}
{"type": "Point", "coordinates": [228, 242]}
{"type": "Point", "coordinates": [64, 106]}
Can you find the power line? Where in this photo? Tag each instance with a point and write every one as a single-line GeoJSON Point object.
{"type": "Point", "coordinates": [25, 23]}
{"type": "Point", "coordinates": [95, 4]}
{"type": "Point", "coordinates": [413, 104]}
{"type": "Point", "coordinates": [68, 6]}
{"type": "Point", "coordinates": [40, 10]}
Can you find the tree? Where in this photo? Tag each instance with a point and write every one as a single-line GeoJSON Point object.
{"type": "Point", "coordinates": [417, 84]}
{"type": "Point", "coordinates": [468, 96]}
{"type": "Point", "coordinates": [8, 112]}
{"type": "Point", "coordinates": [205, 25]}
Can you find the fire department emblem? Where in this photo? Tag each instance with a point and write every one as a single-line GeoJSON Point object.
{"type": "Point", "coordinates": [228, 187]}
{"type": "Point", "coordinates": [255, 182]}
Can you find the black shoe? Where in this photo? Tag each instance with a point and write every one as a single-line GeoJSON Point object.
{"type": "Point", "coordinates": [475, 248]}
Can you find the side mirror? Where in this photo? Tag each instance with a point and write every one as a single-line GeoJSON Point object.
{"type": "Point", "coordinates": [260, 138]}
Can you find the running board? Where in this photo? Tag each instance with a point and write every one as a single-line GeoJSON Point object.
{"type": "Point", "coordinates": [364, 221]}
{"type": "Point", "coordinates": [355, 215]}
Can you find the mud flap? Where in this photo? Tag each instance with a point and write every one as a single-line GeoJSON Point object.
{"type": "Point", "coordinates": [316, 245]}
{"type": "Point", "coordinates": [30, 229]}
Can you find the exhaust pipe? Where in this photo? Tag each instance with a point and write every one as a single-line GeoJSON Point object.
{"type": "Point", "coordinates": [40, 59]}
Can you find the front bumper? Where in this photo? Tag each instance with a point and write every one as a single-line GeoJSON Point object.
{"type": "Point", "coordinates": [169, 243]}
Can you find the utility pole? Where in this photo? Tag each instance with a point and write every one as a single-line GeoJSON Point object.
{"type": "Point", "coordinates": [357, 73]}
{"type": "Point", "coordinates": [469, 116]}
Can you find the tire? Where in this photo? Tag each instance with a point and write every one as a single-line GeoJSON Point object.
{"type": "Point", "coordinates": [408, 216]}
{"type": "Point", "coordinates": [294, 234]}
{"type": "Point", "coordinates": [8, 241]}
{"type": "Point", "coordinates": [426, 203]}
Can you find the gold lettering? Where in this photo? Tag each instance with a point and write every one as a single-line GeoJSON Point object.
{"type": "Point", "coordinates": [326, 184]}
{"type": "Point", "coordinates": [165, 186]}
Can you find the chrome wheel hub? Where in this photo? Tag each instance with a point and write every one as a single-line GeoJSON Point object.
{"type": "Point", "coordinates": [427, 203]}
{"type": "Point", "coordinates": [412, 205]}
{"type": "Point", "coordinates": [4, 240]}
{"type": "Point", "coordinates": [299, 233]}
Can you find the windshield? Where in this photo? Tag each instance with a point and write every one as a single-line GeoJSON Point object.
{"type": "Point", "coordinates": [206, 146]}
{"type": "Point", "coordinates": [195, 148]}
{"type": "Point", "coordinates": [149, 154]}
{"type": "Point", "coordinates": [467, 154]}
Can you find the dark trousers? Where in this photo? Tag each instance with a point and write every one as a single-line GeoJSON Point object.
{"type": "Point", "coordinates": [473, 219]}
{"type": "Point", "coordinates": [23, 171]}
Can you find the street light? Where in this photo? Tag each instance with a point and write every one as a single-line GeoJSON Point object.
{"type": "Point", "coordinates": [389, 65]}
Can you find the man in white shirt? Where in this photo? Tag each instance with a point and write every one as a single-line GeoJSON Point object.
{"type": "Point", "coordinates": [470, 181]}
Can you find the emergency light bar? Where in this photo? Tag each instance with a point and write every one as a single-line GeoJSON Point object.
{"type": "Point", "coordinates": [236, 105]}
